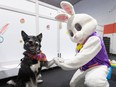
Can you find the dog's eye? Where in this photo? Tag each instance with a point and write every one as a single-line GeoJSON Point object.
{"type": "Point", "coordinates": [71, 33]}
{"type": "Point", "coordinates": [78, 26]}
{"type": "Point", "coordinates": [36, 43]}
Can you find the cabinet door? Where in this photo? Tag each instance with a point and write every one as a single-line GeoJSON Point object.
{"type": "Point", "coordinates": [67, 47]}
{"type": "Point", "coordinates": [11, 24]}
{"type": "Point", "coordinates": [49, 41]}
{"type": "Point", "coordinates": [46, 11]}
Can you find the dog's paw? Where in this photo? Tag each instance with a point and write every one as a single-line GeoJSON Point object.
{"type": "Point", "coordinates": [58, 61]}
{"type": "Point", "coordinates": [40, 81]}
{"type": "Point", "coordinates": [50, 63]}
{"type": "Point", "coordinates": [11, 82]}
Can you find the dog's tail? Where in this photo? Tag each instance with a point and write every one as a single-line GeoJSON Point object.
{"type": "Point", "coordinates": [11, 83]}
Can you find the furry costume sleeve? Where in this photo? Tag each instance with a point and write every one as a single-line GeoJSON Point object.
{"type": "Point", "coordinates": [87, 53]}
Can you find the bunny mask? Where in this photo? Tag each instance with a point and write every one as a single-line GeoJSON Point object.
{"type": "Point", "coordinates": [80, 26]}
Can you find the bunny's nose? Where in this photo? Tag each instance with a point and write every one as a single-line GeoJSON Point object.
{"type": "Point", "coordinates": [75, 36]}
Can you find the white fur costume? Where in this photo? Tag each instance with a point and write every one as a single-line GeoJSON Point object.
{"type": "Point", "coordinates": [80, 28]}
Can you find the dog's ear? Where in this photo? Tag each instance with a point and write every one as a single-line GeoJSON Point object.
{"type": "Point", "coordinates": [39, 37]}
{"type": "Point", "coordinates": [24, 35]}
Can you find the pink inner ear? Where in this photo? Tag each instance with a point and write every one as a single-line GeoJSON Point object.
{"type": "Point", "coordinates": [62, 17]}
{"type": "Point", "coordinates": [67, 8]}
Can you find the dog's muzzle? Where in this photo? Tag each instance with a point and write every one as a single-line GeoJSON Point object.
{"type": "Point", "coordinates": [32, 46]}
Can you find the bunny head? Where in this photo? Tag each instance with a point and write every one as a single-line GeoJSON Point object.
{"type": "Point", "coordinates": [80, 26]}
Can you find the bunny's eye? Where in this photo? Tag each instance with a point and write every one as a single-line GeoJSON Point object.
{"type": "Point", "coordinates": [71, 33]}
{"type": "Point", "coordinates": [78, 26]}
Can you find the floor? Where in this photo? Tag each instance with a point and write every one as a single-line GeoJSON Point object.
{"type": "Point", "coordinates": [56, 77]}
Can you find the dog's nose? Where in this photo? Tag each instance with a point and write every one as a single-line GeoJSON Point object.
{"type": "Point", "coordinates": [30, 42]}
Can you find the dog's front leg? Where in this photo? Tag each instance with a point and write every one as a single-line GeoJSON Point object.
{"type": "Point", "coordinates": [31, 83]}
{"type": "Point", "coordinates": [38, 79]}
{"type": "Point", "coordinates": [34, 85]}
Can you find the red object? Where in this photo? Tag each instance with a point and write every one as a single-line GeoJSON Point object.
{"type": "Point", "coordinates": [41, 57]}
{"type": "Point", "coordinates": [4, 28]}
{"type": "Point", "coordinates": [22, 20]}
{"type": "Point", "coordinates": [110, 28]}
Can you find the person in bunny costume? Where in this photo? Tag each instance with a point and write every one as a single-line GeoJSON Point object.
{"type": "Point", "coordinates": [91, 60]}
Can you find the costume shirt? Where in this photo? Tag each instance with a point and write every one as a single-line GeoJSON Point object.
{"type": "Point", "coordinates": [100, 59]}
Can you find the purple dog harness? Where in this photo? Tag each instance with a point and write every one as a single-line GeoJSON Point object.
{"type": "Point", "coordinates": [100, 59]}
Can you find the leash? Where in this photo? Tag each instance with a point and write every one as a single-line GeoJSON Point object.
{"type": "Point", "coordinates": [19, 63]}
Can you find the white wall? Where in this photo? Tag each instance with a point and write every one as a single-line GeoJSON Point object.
{"type": "Point", "coordinates": [49, 41]}
{"type": "Point", "coordinates": [67, 47]}
{"type": "Point", "coordinates": [99, 9]}
{"type": "Point", "coordinates": [19, 4]}
{"type": "Point", "coordinates": [104, 11]}
{"type": "Point", "coordinates": [12, 49]}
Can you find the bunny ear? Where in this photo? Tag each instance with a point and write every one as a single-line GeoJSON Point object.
{"type": "Point", "coordinates": [62, 17]}
{"type": "Point", "coordinates": [67, 7]}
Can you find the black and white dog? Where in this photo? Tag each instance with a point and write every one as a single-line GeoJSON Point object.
{"type": "Point", "coordinates": [30, 67]}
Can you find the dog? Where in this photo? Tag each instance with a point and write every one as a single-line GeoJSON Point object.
{"type": "Point", "coordinates": [32, 63]}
